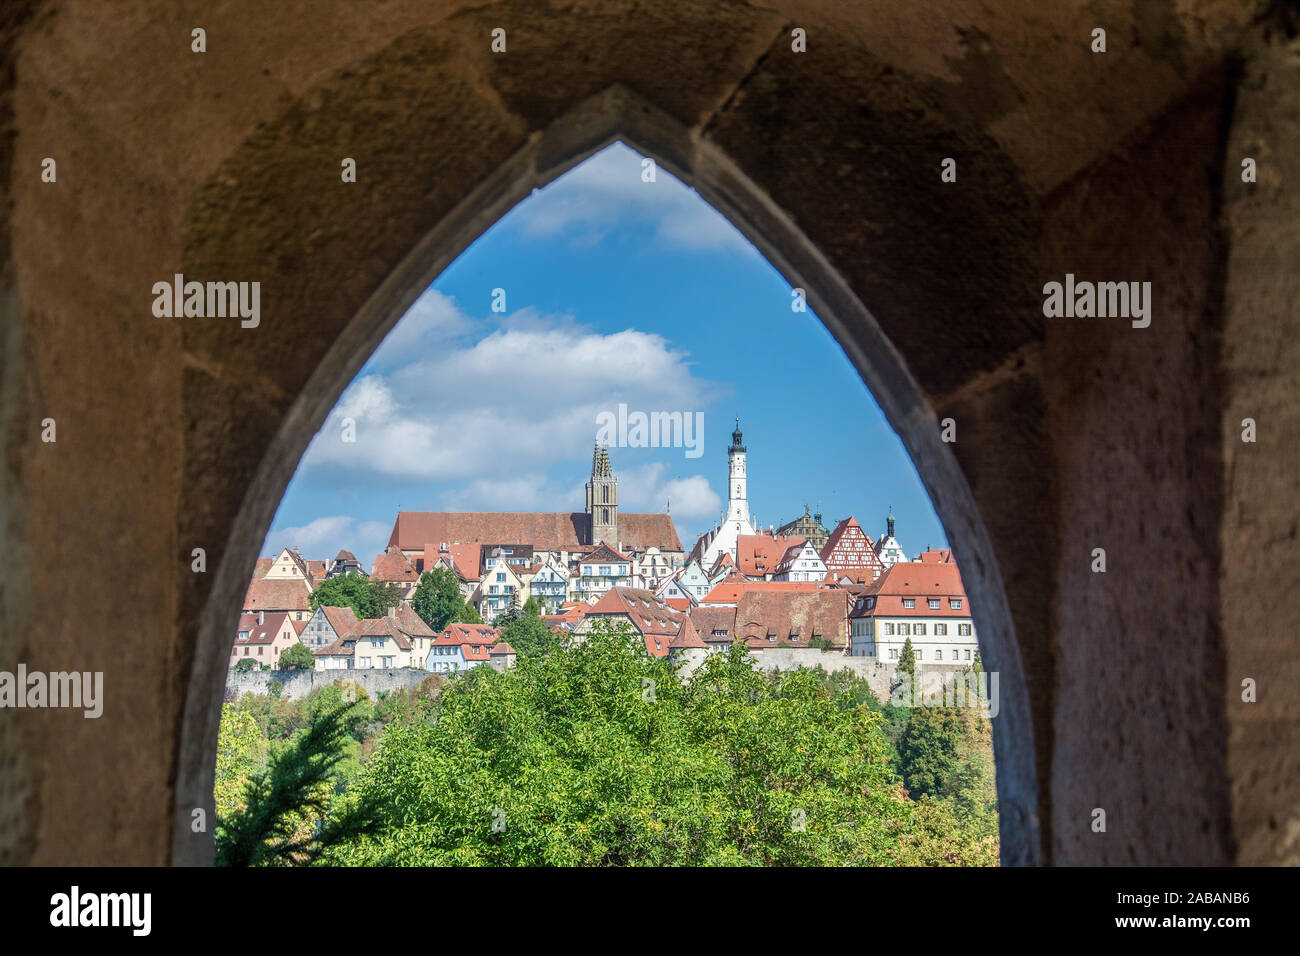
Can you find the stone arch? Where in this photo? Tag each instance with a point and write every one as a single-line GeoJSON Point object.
{"type": "Point", "coordinates": [611, 116]}
{"type": "Point", "coordinates": [226, 165]}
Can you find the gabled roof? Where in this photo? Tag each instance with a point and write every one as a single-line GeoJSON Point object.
{"type": "Point", "coordinates": [282, 594]}
{"type": "Point", "coordinates": [758, 555]}
{"type": "Point", "coordinates": [342, 619]}
{"type": "Point", "coordinates": [392, 565]}
{"type": "Point", "coordinates": [848, 528]}
{"type": "Point", "coordinates": [502, 649]}
{"type": "Point", "coordinates": [264, 633]}
{"type": "Point", "coordinates": [299, 626]}
{"type": "Point", "coordinates": [547, 531]}
{"type": "Point", "coordinates": [603, 552]}
{"type": "Point", "coordinates": [656, 622]}
{"type": "Point", "coordinates": [262, 566]}
{"type": "Point", "coordinates": [412, 623]}
{"type": "Point", "coordinates": [382, 627]}
{"type": "Point", "coordinates": [792, 554]}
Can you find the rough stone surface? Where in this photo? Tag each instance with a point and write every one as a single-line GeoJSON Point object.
{"type": "Point", "coordinates": [1120, 690]}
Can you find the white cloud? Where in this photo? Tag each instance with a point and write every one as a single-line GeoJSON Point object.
{"type": "Point", "coordinates": [432, 321]}
{"type": "Point", "coordinates": [325, 537]}
{"type": "Point", "coordinates": [520, 399]}
{"type": "Point", "coordinates": [691, 501]}
{"type": "Point", "coordinates": [607, 192]}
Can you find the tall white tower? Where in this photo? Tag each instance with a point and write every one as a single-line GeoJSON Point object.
{"type": "Point", "coordinates": [735, 521]}
{"type": "Point", "coordinates": [737, 502]}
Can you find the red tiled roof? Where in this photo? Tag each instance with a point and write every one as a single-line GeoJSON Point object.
{"type": "Point", "coordinates": [342, 619]}
{"type": "Point", "coordinates": [758, 554]}
{"type": "Point", "coordinates": [920, 581]}
{"type": "Point", "coordinates": [547, 531]}
{"type": "Point", "coordinates": [710, 619]}
{"type": "Point", "coordinates": [936, 556]}
{"type": "Point", "coordinates": [823, 613]}
{"type": "Point", "coordinates": [412, 623]}
{"type": "Point", "coordinates": [502, 648]}
{"type": "Point", "coordinates": [655, 621]}
{"type": "Point", "coordinates": [264, 633]}
{"type": "Point", "coordinates": [392, 565]}
{"type": "Point", "coordinates": [687, 635]}
{"type": "Point", "coordinates": [382, 627]}
{"type": "Point", "coordinates": [283, 594]}
{"type": "Point", "coordinates": [262, 566]}
{"type": "Point", "coordinates": [678, 604]}
{"type": "Point", "coordinates": [299, 626]}
{"type": "Point", "coordinates": [465, 634]}
{"type": "Point", "coordinates": [730, 590]}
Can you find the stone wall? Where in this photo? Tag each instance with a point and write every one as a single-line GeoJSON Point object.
{"type": "Point", "coordinates": [300, 684]}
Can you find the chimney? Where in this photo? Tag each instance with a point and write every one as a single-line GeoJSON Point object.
{"type": "Point", "coordinates": [392, 611]}
{"type": "Point", "coordinates": [261, 617]}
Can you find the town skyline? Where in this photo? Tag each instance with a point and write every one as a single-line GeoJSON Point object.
{"type": "Point", "coordinates": [615, 292]}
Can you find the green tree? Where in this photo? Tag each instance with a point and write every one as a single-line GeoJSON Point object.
{"type": "Point", "coordinates": [529, 635]}
{"type": "Point", "coordinates": [599, 754]}
{"type": "Point", "coordinates": [298, 657]}
{"type": "Point", "coordinates": [353, 590]}
{"type": "Point", "coordinates": [907, 673]}
{"type": "Point", "coordinates": [286, 817]}
{"type": "Point", "coordinates": [532, 607]}
{"type": "Point", "coordinates": [437, 598]}
{"type": "Point", "coordinates": [241, 752]}
{"type": "Point", "coordinates": [246, 664]}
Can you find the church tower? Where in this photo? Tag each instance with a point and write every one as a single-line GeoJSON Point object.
{"type": "Point", "coordinates": [602, 500]}
{"type": "Point", "coordinates": [737, 500]}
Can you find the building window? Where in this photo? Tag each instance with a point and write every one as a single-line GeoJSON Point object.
{"type": "Point", "coordinates": [918, 629]}
{"type": "Point", "coordinates": [954, 603]}
{"type": "Point", "coordinates": [918, 655]}
{"type": "Point", "coordinates": [893, 653]}
{"type": "Point", "coordinates": [938, 655]}
{"type": "Point", "coordinates": [963, 630]}
{"type": "Point", "coordinates": [501, 575]}
{"type": "Point", "coordinates": [909, 602]}
{"type": "Point", "coordinates": [259, 651]}
{"type": "Point", "coordinates": [941, 630]}
{"type": "Point", "coordinates": [955, 655]}
{"type": "Point", "coordinates": [889, 628]}
{"type": "Point", "coordinates": [968, 653]}
{"type": "Point", "coordinates": [934, 604]}
{"type": "Point", "coordinates": [904, 630]}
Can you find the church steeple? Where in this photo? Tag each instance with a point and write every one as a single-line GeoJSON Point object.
{"type": "Point", "coordinates": [602, 500]}
{"type": "Point", "coordinates": [889, 523]}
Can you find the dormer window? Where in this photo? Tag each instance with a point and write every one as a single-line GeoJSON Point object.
{"type": "Point", "coordinates": [909, 602]}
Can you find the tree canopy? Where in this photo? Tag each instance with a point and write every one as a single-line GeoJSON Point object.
{"type": "Point", "coordinates": [366, 598]}
{"type": "Point", "coordinates": [438, 601]}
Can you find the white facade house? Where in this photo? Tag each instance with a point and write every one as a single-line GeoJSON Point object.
{"type": "Point", "coordinates": [651, 567]}
{"type": "Point", "coordinates": [598, 571]}
{"type": "Point", "coordinates": [923, 603]}
{"type": "Point", "coordinates": [801, 562]}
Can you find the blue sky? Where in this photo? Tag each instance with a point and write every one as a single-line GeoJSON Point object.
{"type": "Point", "coordinates": [616, 290]}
